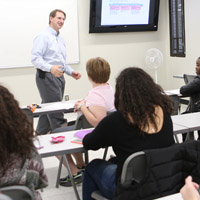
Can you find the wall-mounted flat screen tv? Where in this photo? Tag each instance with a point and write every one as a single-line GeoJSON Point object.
{"type": "Point", "coordinates": [123, 15]}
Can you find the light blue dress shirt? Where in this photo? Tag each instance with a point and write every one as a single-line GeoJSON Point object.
{"type": "Point", "coordinates": [49, 49]}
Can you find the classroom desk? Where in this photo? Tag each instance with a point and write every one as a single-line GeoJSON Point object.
{"type": "Point", "coordinates": [171, 92]}
{"type": "Point", "coordinates": [176, 196]}
{"type": "Point", "coordinates": [66, 147]}
{"type": "Point", "coordinates": [177, 92]}
{"type": "Point", "coordinates": [179, 129]}
{"type": "Point", "coordinates": [182, 76]}
{"type": "Point", "coordinates": [178, 76]}
{"type": "Point", "coordinates": [47, 108]}
{"type": "Point", "coordinates": [59, 149]}
{"type": "Point", "coordinates": [190, 120]}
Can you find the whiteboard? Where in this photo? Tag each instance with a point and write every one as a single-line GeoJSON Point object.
{"type": "Point", "coordinates": [22, 20]}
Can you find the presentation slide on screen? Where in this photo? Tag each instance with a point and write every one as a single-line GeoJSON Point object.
{"type": "Point", "coordinates": [125, 12]}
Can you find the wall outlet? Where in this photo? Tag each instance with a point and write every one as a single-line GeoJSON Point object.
{"type": "Point", "coordinates": [66, 97]}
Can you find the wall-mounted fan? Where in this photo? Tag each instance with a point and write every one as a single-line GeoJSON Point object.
{"type": "Point", "coordinates": [153, 60]}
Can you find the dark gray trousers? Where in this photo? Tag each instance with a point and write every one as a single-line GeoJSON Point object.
{"type": "Point", "coordinates": [51, 89]}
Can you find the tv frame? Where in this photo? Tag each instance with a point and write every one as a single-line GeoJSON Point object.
{"type": "Point", "coordinates": [95, 20]}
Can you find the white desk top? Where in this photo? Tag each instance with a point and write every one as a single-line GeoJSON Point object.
{"type": "Point", "coordinates": [176, 196]}
{"type": "Point", "coordinates": [65, 147]}
{"type": "Point", "coordinates": [178, 76]}
{"type": "Point", "coordinates": [190, 120]}
{"type": "Point", "coordinates": [171, 92]}
{"type": "Point", "coordinates": [179, 129]}
{"type": "Point", "coordinates": [62, 106]}
{"type": "Point", "coordinates": [62, 148]}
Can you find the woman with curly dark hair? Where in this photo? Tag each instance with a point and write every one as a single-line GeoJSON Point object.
{"type": "Point", "coordinates": [19, 161]}
{"type": "Point", "coordinates": [142, 121]}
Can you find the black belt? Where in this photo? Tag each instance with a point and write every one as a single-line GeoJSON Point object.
{"type": "Point", "coordinates": [41, 73]}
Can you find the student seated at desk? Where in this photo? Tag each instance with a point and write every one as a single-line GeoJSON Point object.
{"type": "Point", "coordinates": [20, 163]}
{"type": "Point", "coordinates": [142, 121]}
{"type": "Point", "coordinates": [94, 107]}
{"type": "Point", "coordinates": [192, 89]}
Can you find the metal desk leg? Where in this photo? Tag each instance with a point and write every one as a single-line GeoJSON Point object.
{"type": "Point", "coordinates": [105, 153]}
{"type": "Point", "coordinates": [71, 177]}
{"type": "Point", "coordinates": [176, 138]}
{"type": "Point", "coordinates": [59, 171]}
{"type": "Point", "coordinates": [86, 157]}
{"type": "Point", "coordinates": [190, 136]}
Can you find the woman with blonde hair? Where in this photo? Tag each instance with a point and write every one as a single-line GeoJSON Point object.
{"type": "Point", "coordinates": [94, 107]}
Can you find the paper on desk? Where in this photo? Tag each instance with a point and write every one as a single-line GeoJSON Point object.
{"type": "Point", "coordinates": [82, 133]}
{"type": "Point", "coordinates": [59, 106]}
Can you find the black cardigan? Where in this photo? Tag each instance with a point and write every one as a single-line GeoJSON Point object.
{"type": "Point", "coordinates": [166, 170]}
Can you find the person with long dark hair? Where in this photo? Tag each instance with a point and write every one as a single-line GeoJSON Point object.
{"type": "Point", "coordinates": [142, 121]}
{"type": "Point", "coordinates": [20, 163]}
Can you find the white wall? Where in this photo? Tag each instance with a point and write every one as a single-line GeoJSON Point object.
{"type": "Point", "coordinates": [121, 50]}
{"type": "Point", "coordinates": [192, 31]}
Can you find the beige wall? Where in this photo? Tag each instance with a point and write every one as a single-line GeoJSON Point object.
{"type": "Point", "coordinates": [121, 50]}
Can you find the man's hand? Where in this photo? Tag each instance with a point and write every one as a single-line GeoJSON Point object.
{"type": "Point", "coordinates": [76, 75]}
{"type": "Point", "coordinates": [56, 70]}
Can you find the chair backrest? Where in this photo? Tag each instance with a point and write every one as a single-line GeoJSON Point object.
{"type": "Point", "coordinates": [28, 113]}
{"type": "Point", "coordinates": [4, 197]}
{"type": "Point", "coordinates": [176, 102]}
{"type": "Point", "coordinates": [98, 196]}
{"type": "Point", "coordinates": [82, 122]}
{"type": "Point", "coordinates": [159, 172]}
{"type": "Point", "coordinates": [188, 78]}
{"type": "Point", "coordinates": [18, 192]}
{"type": "Point", "coordinates": [133, 169]}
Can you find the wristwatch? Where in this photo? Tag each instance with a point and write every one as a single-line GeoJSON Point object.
{"type": "Point", "coordinates": [80, 105]}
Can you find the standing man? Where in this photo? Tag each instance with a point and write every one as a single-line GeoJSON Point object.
{"type": "Point", "coordinates": [49, 58]}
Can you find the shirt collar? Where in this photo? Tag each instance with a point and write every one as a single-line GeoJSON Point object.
{"type": "Point", "coordinates": [53, 31]}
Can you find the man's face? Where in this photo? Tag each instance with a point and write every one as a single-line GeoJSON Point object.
{"type": "Point", "coordinates": [198, 67]}
{"type": "Point", "coordinates": [57, 22]}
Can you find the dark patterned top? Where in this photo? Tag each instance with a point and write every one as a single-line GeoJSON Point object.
{"type": "Point", "coordinates": [29, 172]}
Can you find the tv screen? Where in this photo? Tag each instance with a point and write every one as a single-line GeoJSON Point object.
{"type": "Point", "coordinates": [123, 15]}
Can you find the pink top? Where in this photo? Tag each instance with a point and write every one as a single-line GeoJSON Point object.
{"type": "Point", "coordinates": [101, 96]}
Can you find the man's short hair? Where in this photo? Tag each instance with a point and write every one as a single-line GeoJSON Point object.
{"type": "Point", "coordinates": [53, 13]}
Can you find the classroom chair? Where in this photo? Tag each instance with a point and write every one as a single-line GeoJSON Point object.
{"type": "Point", "coordinates": [176, 103]}
{"type": "Point", "coordinates": [4, 197]}
{"type": "Point", "coordinates": [28, 113]}
{"type": "Point", "coordinates": [17, 192]}
{"type": "Point", "coordinates": [155, 173]}
{"type": "Point", "coordinates": [187, 79]}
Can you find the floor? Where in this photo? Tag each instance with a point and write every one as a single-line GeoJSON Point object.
{"type": "Point", "coordinates": [62, 193]}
